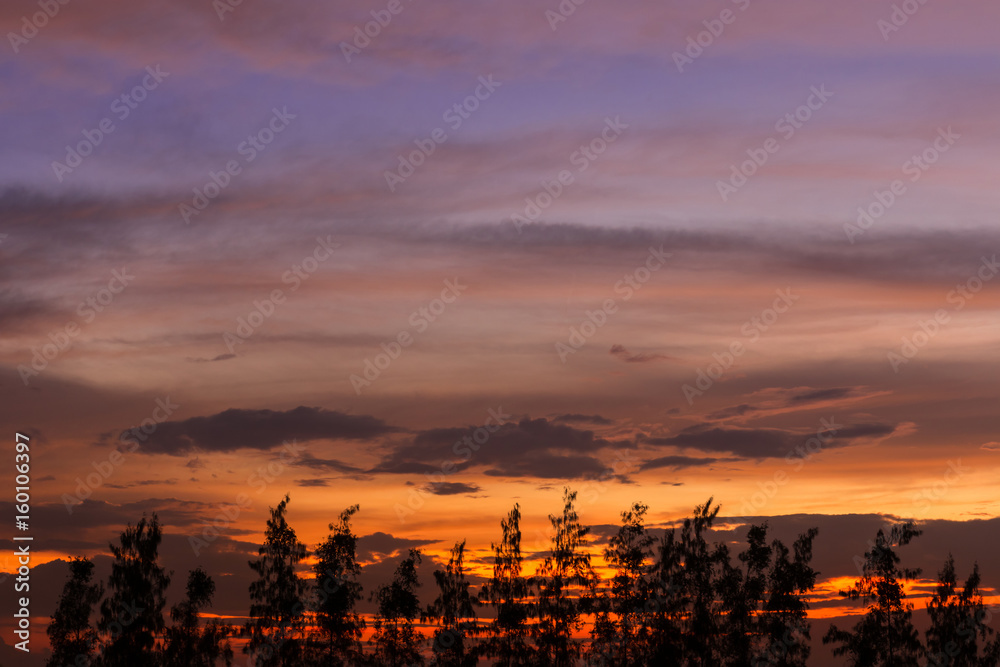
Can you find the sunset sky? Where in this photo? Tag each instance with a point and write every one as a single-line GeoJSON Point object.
{"type": "Point", "coordinates": [581, 251]}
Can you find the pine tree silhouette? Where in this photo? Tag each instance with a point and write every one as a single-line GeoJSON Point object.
{"type": "Point", "coordinates": [620, 633]}
{"type": "Point", "coordinates": [188, 645]}
{"type": "Point", "coordinates": [784, 625]}
{"type": "Point", "coordinates": [277, 609]}
{"type": "Point", "coordinates": [679, 601]}
{"type": "Point", "coordinates": [885, 636]}
{"type": "Point", "coordinates": [454, 610]}
{"type": "Point", "coordinates": [132, 614]}
{"type": "Point", "coordinates": [396, 642]}
{"type": "Point", "coordinates": [507, 592]}
{"type": "Point", "coordinates": [959, 634]}
{"type": "Point", "coordinates": [71, 636]}
{"type": "Point", "coordinates": [566, 582]}
{"type": "Point", "coordinates": [337, 591]}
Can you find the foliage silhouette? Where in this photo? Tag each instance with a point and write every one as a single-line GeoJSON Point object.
{"type": "Point", "coordinates": [454, 610]}
{"type": "Point", "coordinates": [885, 636]}
{"type": "Point", "coordinates": [337, 591]}
{"type": "Point", "coordinates": [188, 645]}
{"type": "Point", "coordinates": [508, 592]}
{"type": "Point", "coordinates": [959, 636]}
{"type": "Point", "coordinates": [675, 600]}
{"type": "Point", "coordinates": [276, 628]}
{"type": "Point", "coordinates": [70, 633]}
{"type": "Point", "coordinates": [396, 642]}
{"type": "Point", "coordinates": [132, 615]}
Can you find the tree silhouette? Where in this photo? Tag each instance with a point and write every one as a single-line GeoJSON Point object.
{"type": "Point", "coordinates": [277, 608]}
{"type": "Point", "coordinates": [783, 623]}
{"type": "Point", "coordinates": [565, 569]}
{"type": "Point", "coordinates": [338, 590]}
{"type": "Point", "coordinates": [679, 601]}
{"type": "Point", "coordinates": [187, 645]}
{"type": "Point", "coordinates": [70, 634]}
{"type": "Point", "coordinates": [507, 592]}
{"type": "Point", "coordinates": [958, 626]}
{"type": "Point", "coordinates": [132, 614]}
{"type": "Point", "coordinates": [620, 633]}
{"type": "Point", "coordinates": [395, 640]}
{"type": "Point", "coordinates": [741, 594]}
{"type": "Point", "coordinates": [454, 610]}
{"type": "Point", "coordinates": [702, 624]}
{"type": "Point", "coordinates": [667, 605]}
{"type": "Point", "coordinates": [885, 636]}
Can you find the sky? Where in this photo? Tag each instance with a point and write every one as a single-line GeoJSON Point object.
{"type": "Point", "coordinates": [656, 252]}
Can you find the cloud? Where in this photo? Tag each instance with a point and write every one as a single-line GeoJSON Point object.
{"type": "Point", "coordinates": [313, 482]}
{"type": "Point", "coordinates": [820, 395]}
{"type": "Point", "coordinates": [260, 429]}
{"type": "Point", "coordinates": [597, 420]}
{"type": "Point", "coordinates": [379, 545]}
{"type": "Point", "coordinates": [309, 461]}
{"type": "Point", "coordinates": [528, 448]}
{"type": "Point", "coordinates": [622, 353]}
{"type": "Point", "coordinates": [991, 446]}
{"type": "Point", "coordinates": [221, 357]}
{"type": "Point", "coordinates": [680, 462]}
{"type": "Point", "coordinates": [760, 443]}
{"type": "Point", "coordinates": [451, 488]}
{"type": "Point", "coordinates": [735, 411]}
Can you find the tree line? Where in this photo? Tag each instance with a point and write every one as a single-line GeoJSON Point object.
{"type": "Point", "coordinates": [672, 600]}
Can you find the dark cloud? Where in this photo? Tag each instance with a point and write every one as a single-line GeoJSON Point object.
{"type": "Point", "coordinates": [597, 420]}
{"type": "Point", "coordinates": [528, 448]}
{"type": "Point", "coordinates": [760, 443]}
{"type": "Point", "coordinates": [550, 466]}
{"type": "Point", "coordinates": [141, 482]}
{"type": "Point", "coordinates": [379, 545]}
{"type": "Point", "coordinates": [312, 482]}
{"type": "Point", "coordinates": [451, 488]}
{"type": "Point", "coordinates": [221, 357]}
{"type": "Point", "coordinates": [622, 353]}
{"type": "Point", "coordinates": [260, 429]}
{"type": "Point", "coordinates": [679, 462]}
{"type": "Point", "coordinates": [734, 411]}
{"type": "Point", "coordinates": [309, 461]}
{"type": "Point", "coordinates": [820, 395]}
